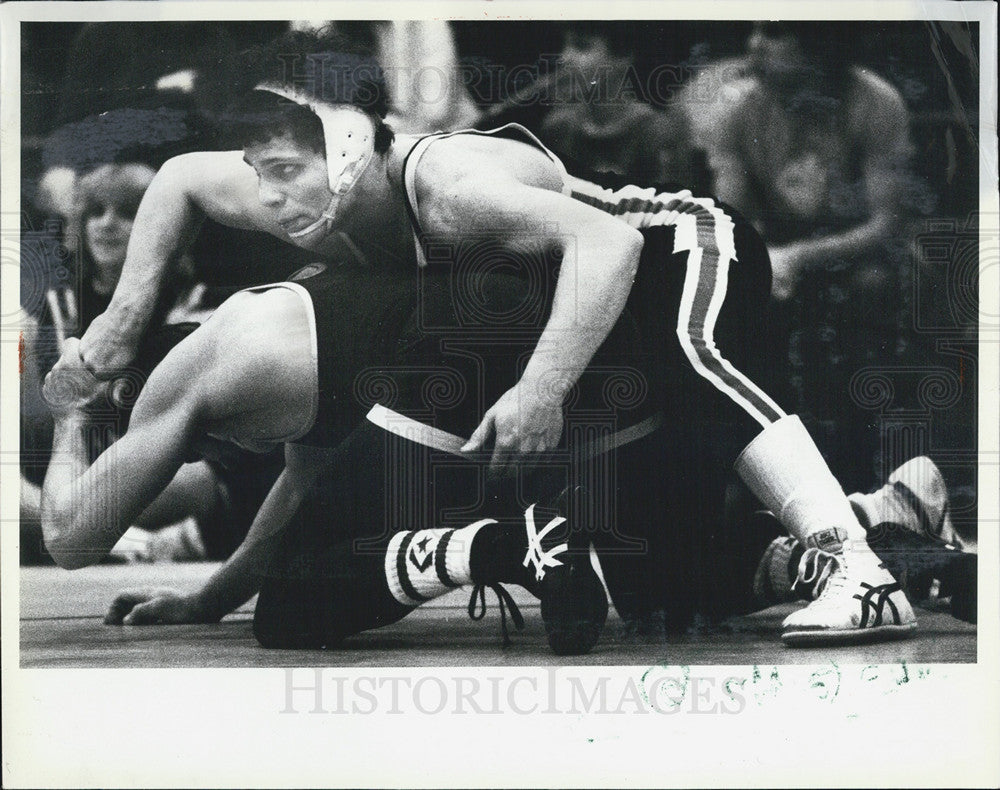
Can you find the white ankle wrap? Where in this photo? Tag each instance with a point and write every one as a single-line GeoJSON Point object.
{"type": "Point", "coordinates": [783, 467]}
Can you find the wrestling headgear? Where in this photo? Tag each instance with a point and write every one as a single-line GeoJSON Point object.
{"type": "Point", "coordinates": [349, 140]}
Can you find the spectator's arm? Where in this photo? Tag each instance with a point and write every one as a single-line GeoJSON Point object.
{"type": "Point", "coordinates": [881, 123]}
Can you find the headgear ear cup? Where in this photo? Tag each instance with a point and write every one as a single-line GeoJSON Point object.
{"type": "Point", "coordinates": [349, 142]}
{"type": "Point", "coordinates": [349, 135]}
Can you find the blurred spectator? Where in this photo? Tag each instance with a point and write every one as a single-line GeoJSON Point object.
{"type": "Point", "coordinates": [104, 208]}
{"type": "Point", "coordinates": [813, 150]}
{"type": "Point", "coordinates": [600, 123]}
{"type": "Point", "coordinates": [426, 91]}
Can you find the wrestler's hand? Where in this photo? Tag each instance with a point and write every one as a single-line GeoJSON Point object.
{"type": "Point", "coordinates": [150, 607]}
{"type": "Point", "coordinates": [70, 386]}
{"type": "Point", "coordinates": [526, 419]}
{"type": "Point", "coordinates": [104, 348]}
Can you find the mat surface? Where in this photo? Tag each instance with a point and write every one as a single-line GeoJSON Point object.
{"type": "Point", "coordinates": [62, 626]}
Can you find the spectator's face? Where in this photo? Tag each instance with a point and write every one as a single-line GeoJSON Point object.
{"type": "Point", "coordinates": [587, 56]}
{"type": "Point", "coordinates": [292, 181]}
{"type": "Point", "coordinates": [107, 231]}
{"type": "Point", "coordinates": [776, 55]}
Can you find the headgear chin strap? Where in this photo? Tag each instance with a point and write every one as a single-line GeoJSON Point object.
{"type": "Point", "coordinates": [349, 139]}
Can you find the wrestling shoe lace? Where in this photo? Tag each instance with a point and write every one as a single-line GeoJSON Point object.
{"type": "Point", "coordinates": [816, 570]}
{"type": "Point", "coordinates": [856, 599]}
{"type": "Point", "coordinates": [536, 555]}
{"type": "Point", "coordinates": [505, 600]}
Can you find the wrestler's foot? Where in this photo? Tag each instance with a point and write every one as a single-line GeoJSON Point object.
{"type": "Point", "coordinates": [857, 599]}
{"type": "Point", "coordinates": [916, 497]}
{"type": "Point", "coordinates": [536, 554]}
{"type": "Point", "coordinates": [789, 572]}
{"type": "Point", "coordinates": [776, 572]}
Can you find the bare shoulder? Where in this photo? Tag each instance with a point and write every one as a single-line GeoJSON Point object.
{"type": "Point", "coordinates": [255, 348]}
{"type": "Point", "coordinates": [874, 97]}
{"type": "Point", "coordinates": [483, 158]}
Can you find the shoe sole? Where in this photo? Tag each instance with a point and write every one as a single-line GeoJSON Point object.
{"type": "Point", "coordinates": [574, 608]}
{"type": "Point", "coordinates": [847, 636]}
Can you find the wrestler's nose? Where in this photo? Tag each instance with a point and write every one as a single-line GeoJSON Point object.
{"type": "Point", "coordinates": [268, 195]}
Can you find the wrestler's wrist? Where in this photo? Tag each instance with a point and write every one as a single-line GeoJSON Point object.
{"type": "Point", "coordinates": [553, 382]}
{"type": "Point", "coordinates": [108, 345]}
{"type": "Point", "coordinates": [103, 364]}
{"type": "Point", "coordinates": [200, 608]}
{"type": "Point", "coordinates": [70, 420]}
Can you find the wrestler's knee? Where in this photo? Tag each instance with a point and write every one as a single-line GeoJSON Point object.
{"type": "Point", "coordinates": [284, 619]}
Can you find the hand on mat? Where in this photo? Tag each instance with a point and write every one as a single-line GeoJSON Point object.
{"type": "Point", "coordinates": [525, 420]}
{"type": "Point", "coordinates": [150, 607]}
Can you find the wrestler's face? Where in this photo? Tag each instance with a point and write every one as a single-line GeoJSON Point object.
{"type": "Point", "coordinates": [292, 181]}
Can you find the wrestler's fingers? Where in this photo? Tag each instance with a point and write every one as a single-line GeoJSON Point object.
{"type": "Point", "coordinates": [481, 435]}
{"type": "Point", "coordinates": [123, 604]}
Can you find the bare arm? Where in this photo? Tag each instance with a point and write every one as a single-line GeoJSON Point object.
{"type": "Point", "coordinates": [187, 188]}
{"type": "Point", "coordinates": [247, 370]}
{"type": "Point", "coordinates": [238, 579]}
{"type": "Point", "coordinates": [600, 256]}
{"type": "Point", "coordinates": [87, 507]}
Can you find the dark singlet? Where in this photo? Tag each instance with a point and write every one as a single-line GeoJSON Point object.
{"type": "Point", "coordinates": [359, 318]}
{"type": "Point", "coordinates": [695, 236]}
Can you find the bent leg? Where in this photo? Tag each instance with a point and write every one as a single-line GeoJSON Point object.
{"type": "Point", "coordinates": [711, 269]}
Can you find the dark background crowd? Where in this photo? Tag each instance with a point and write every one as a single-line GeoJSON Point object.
{"type": "Point", "coordinates": [852, 147]}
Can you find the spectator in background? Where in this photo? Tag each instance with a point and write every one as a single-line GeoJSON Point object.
{"type": "Point", "coordinates": [813, 150]}
{"type": "Point", "coordinates": [420, 63]}
{"type": "Point", "coordinates": [599, 122]}
{"type": "Point", "coordinates": [104, 207]}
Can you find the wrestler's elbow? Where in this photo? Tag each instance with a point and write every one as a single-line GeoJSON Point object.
{"type": "Point", "coordinates": [61, 537]}
{"type": "Point", "coordinates": [68, 553]}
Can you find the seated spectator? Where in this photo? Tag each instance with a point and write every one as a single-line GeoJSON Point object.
{"type": "Point", "coordinates": [599, 122]}
{"type": "Point", "coordinates": [813, 150]}
{"type": "Point", "coordinates": [106, 201]}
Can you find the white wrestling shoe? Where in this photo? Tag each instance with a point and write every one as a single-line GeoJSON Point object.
{"type": "Point", "coordinates": [857, 599]}
{"type": "Point", "coordinates": [915, 497]}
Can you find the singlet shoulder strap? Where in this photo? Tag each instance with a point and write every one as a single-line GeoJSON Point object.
{"type": "Point", "coordinates": [512, 131]}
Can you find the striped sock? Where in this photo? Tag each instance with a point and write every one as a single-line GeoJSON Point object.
{"type": "Point", "coordinates": [427, 563]}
